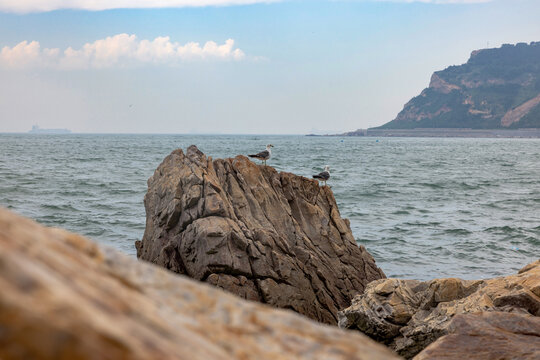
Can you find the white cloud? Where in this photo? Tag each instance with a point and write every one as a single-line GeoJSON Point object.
{"type": "Point", "coordinates": [440, 1]}
{"type": "Point", "coordinates": [23, 6]}
{"type": "Point", "coordinates": [117, 50]}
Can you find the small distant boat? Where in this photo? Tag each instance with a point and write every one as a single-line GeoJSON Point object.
{"type": "Point", "coordinates": [37, 130]}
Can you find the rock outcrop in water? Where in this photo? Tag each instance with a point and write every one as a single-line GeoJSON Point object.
{"type": "Point", "coordinates": [63, 297]}
{"type": "Point", "coordinates": [408, 315]}
{"type": "Point", "coordinates": [277, 238]}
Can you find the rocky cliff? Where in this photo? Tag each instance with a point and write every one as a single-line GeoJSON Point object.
{"type": "Point", "coordinates": [408, 315]}
{"type": "Point", "coordinates": [495, 89]}
{"type": "Point", "coordinates": [63, 297]}
{"type": "Point", "coordinates": [276, 238]}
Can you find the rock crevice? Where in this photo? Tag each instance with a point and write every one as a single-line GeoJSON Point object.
{"type": "Point", "coordinates": [277, 238]}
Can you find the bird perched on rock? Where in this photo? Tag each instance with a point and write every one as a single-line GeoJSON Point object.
{"type": "Point", "coordinates": [323, 176]}
{"type": "Point", "coordinates": [263, 155]}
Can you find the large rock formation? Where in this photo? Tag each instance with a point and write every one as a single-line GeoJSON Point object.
{"type": "Point", "coordinates": [62, 297]}
{"type": "Point", "coordinates": [487, 336]}
{"type": "Point", "coordinates": [408, 315]}
{"type": "Point", "coordinates": [273, 237]}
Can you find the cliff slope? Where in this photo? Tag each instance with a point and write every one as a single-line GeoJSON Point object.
{"type": "Point", "coordinates": [495, 89]}
{"type": "Point", "coordinates": [277, 238]}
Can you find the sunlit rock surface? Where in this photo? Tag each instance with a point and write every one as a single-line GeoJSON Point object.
{"type": "Point", "coordinates": [488, 336]}
{"type": "Point", "coordinates": [63, 297]}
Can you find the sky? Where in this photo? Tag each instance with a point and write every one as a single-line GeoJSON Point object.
{"type": "Point", "coordinates": [235, 66]}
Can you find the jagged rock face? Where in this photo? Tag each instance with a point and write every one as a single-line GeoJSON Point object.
{"type": "Point", "coordinates": [488, 336]}
{"type": "Point", "coordinates": [63, 297]}
{"type": "Point", "coordinates": [408, 315]}
{"type": "Point", "coordinates": [272, 237]}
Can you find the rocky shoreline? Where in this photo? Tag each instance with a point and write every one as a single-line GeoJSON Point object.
{"type": "Point", "coordinates": [530, 133]}
{"type": "Point", "coordinates": [409, 315]}
{"type": "Point", "coordinates": [253, 235]}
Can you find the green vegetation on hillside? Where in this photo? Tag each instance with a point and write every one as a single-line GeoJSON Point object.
{"type": "Point", "coordinates": [480, 93]}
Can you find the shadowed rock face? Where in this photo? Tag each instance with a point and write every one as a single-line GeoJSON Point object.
{"type": "Point", "coordinates": [488, 336]}
{"type": "Point", "coordinates": [277, 238]}
{"type": "Point", "coordinates": [408, 315]}
{"type": "Point", "coordinates": [62, 297]}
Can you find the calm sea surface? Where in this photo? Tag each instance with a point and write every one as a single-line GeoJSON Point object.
{"type": "Point", "coordinates": [424, 208]}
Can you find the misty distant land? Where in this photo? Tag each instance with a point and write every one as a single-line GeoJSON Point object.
{"type": "Point", "coordinates": [495, 94]}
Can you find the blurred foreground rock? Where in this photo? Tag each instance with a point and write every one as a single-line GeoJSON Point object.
{"type": "Point", "coordinates": [408, 315]}
{"type": "Point", "coordinates": [62, 297]}
{"type": "Point", "coordinates": [276, 238]}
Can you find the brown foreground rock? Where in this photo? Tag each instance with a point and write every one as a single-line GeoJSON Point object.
{"type": "Point", "coordinates": [62, 297]}
{"type": "Point", "coordinates": [276, 238]}
{"type": "Point", "coordinates": [487, 336]}
{"type": "Point", "coordinates": [408, 315]}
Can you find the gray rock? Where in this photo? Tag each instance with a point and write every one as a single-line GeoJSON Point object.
{"type": "Point", "coordinates": [276, 238]}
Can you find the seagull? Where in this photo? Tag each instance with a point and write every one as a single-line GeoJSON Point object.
{"type": "Point", "coordinates": [264, 155]}
{"type": "Point", "coordinates": [323, 176]}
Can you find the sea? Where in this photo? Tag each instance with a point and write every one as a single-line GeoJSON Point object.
{"type": "Point", "coordinates": [423, 207]}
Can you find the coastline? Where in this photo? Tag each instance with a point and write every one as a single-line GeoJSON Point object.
{"type": "Point", "coordinates": [447, 132]}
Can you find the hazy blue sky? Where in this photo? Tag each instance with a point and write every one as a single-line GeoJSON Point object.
{"type": "Point", "coordinates": [237, 66]}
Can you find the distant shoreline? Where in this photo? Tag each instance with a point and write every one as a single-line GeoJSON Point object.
{"type": "Point", "coordinates": [452, 133]}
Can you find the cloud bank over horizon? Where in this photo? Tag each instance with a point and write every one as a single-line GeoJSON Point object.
{"type": "Point", "coordinates": [118, 50]}
{"type": "Point", "coordinates": [27, 6]}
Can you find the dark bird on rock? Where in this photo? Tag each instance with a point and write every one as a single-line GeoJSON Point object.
{"type": "Point", "coordinates": [263, 155]}
{"type": "Point", "coordinates": [323, 176]}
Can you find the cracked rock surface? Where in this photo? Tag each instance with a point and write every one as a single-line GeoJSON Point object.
{"type": "Point", "coordinates": [409, 315]}
{"type": "Point", "coordinates": [272, 237]}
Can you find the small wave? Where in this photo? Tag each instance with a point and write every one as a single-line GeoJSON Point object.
{"type": "Point", "coordinates": [465, 186]}
{"type": "Point", "coordinates": [88, 159]}
{"type": "Point", "coordinates": [417, 223]}
{"type": "Point", "coordinates": [458, 231]}
{"type": "Point", "coordinates": [399, 230]}
{"type": "Point", "coordinates": [64, 207]}
{"type": "Point", "coordinates": [431, 185]}
{"type": "Point", "coordinates": [95, 232]}
{"type": "Point", "coordinates": [392, 240]}
{"type": "Point", "coordinates": [501, 229]}
{"type": "Point", "coordinates": [492, 205]}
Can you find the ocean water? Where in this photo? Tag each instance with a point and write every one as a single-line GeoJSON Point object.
{"type": "Point", "coordinates": [423, 207]}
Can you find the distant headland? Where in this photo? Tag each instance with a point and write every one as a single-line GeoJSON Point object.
{"type": "Point", "coordinates": [495, 94]}
{"type": "Point", "coordinates": [37, 130]}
